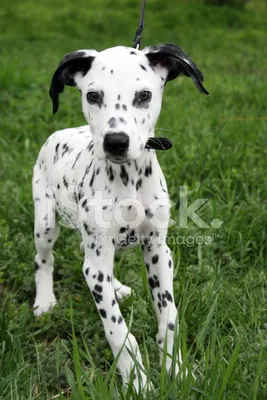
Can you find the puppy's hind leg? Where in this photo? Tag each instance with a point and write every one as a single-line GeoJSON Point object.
{"type": "Point", "coordinates": [46, 232]}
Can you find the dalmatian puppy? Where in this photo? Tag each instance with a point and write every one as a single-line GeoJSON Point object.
{"type": "Point", "coordinates": [104, 180]}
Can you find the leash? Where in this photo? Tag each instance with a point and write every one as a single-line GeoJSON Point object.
{"type": "Point", "coordinates": [139, 32]}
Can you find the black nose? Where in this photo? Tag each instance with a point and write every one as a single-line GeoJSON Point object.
{"type": "Point", "coordinates": [116, 143]}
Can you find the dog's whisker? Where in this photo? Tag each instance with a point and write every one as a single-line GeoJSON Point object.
{"type": "Point", "coordinates": [169, 130]}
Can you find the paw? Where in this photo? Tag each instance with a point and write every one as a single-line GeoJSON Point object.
{"type": "Point", "coordinates": [177, 368]}
{"type": "Point", "coordinates": [123, 291]}
{"type": "Point", "coordinates": [41, 307]}
{"type": "Point", "coordinates": [141, 384]}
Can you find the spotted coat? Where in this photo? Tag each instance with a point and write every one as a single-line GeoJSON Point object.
{"type": "Point", "coordinates": [101, 180]}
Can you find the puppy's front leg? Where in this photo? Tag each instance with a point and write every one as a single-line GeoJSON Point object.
{"type": "Point", "coordinates": [98, 272]}
{"type": "Point", "coordinates": [159, 266]}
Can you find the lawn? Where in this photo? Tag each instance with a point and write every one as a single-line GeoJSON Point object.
{"type": "Point", "coordinates": [219, 154]}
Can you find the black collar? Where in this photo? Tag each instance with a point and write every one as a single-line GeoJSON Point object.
{"type": "Point", "coordinates": [158, 143]}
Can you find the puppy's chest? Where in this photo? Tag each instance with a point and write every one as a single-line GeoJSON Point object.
{"type": "Point", "coordinates": [118, 195]}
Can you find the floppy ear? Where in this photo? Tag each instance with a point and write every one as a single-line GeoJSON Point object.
{"type": "Point", "coordinates": [76, 62]}
{"type": "Point", "coordinates": [176, 62]}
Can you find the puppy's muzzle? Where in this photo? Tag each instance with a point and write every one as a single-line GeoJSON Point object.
{"type": "Point", "coordinates": [116, 144]}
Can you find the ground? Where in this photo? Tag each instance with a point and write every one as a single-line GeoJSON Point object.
{"type": "Point", "coordinates": [219, 154]}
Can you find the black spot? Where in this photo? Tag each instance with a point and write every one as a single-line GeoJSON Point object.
{"type": "Point", "coordinates": [148, 170]}
{"type": "Point", "coordinates": [92, 246]}
{"type": "Point", "coordinates": [122, 230]}
{"type": "Point", "coordinates": [170, 263]}
{"type": "Point", "coordinates": [36, 266]}
{"type": "Point", "coordinates": [113, 318]}
{"type": "Point", "coordinates": [139, 184]}
{"type": "Point", "coordinates": [58, 186]}
{"type": "Point", "coordinates": [171, 326]}
{"type": "Point", "coordinates": [84, 205]}
{"type": "Point", "coordinates": [111, 333]}
{"type": "Point", "coordinates": [138, 79]}
{"type": "Point", "coordinates": [100, 276]}
{"type": "Point", "coordinates": [124, 175]}
{"type": "Point", "coordinates": [38, 235]}
{"type": "Point", "coordinates": [133, 52]}
{"type": "Point", "coordinates": [143, 121]}
{"type": "Point", "coordinates": [98, 252]}
{"type": "Point", "coordinates": [147, 267]}
{"type": "Point", "coordinates": [90, 146]}
{"type": "Point", "coordinates": [169, 296]}
{"type": "Point", "coordinates": [108, 278]}
{"type": "Point", "coordinates": [123, 121]}
{"type": "Point", "coordinates": [43, 261]}
{"type": "Point", "coordinates": [119, 96]}
{"type": "Point", "coordinates": [92, 179]}
{"type": "Point", "coordinates": [112, 122]}
{"type": "Point", "coordinates": [147, 243]}
{"type": "Point", "coordinates": [98, 288]}
{"type": "Point", "coordinates": [162, 186]}
{"type": "Point", "coordinates": [117, 106]}
{"type": "Point", "coordinates": [164, 303]}
{"type": "Point", "coordinates": [65, 182]}
{"type": "Point", "coordinates": [113, 302]}
{"type": "Point", "coordinates": [110, 173]}
{"type": "Point", "coordinates": [153, 282]}
{"type": "Point", "coordinates": [98, 297]}
{"type": "Point", "coordinates": [103, 313]}
{"type": "Point", "coordinates": [111, 71]}
{"type": "Point", "coordinates": [120, 319]}
{"type": "Point", "coordinates": [49, 240]}
{"type": "Point", "coordinates": [87, 271]}
{"type": "Point", "coordinates": [148, 213]}
{"type": "Point", "coordinates": [155, 259]}
{"type": "Point", "coordinates": [87, 230]}
{"type": "Point", "coordinates": [144, 68]}
{"type": "Point", "coordinates": [124, 107]}
{"type": "Point", "coordinates": [56, 153]}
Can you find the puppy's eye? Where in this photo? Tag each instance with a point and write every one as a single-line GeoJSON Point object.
{"type": "Point", "coordinates": [93, 97]}
{"type": "Point", "coordinates": [145, 95]}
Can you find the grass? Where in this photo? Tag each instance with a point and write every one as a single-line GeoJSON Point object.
{"type": "Point", "coordinates": [219, 153]}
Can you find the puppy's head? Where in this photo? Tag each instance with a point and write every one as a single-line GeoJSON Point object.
{"type": "Point", "coordinates": [121, 91]}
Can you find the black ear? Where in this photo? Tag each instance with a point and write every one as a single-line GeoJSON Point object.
{"type": "Point", "coordinates": [176, 62]}
{"type": "Point", "coordinates": [72, 63]}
